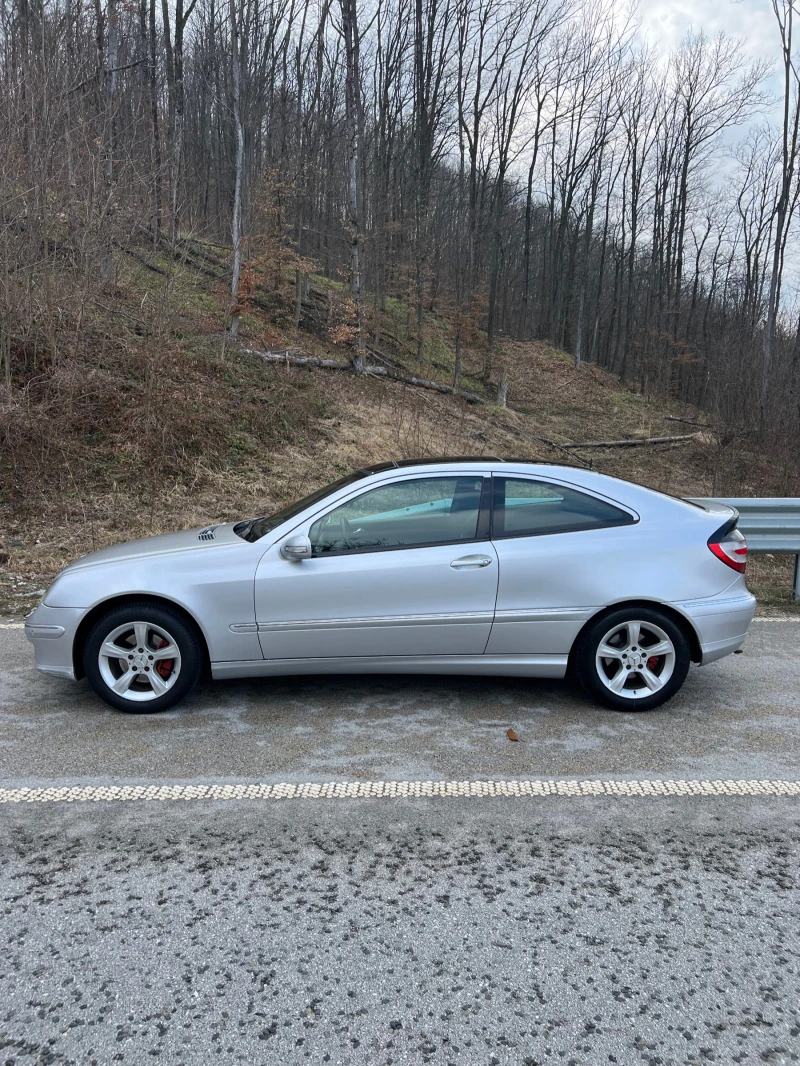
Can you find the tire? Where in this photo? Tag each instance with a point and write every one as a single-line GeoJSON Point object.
{"type": "Point", "coordinates": [628, 678]}
{"type": "Point", "coordinates": [144, 678]}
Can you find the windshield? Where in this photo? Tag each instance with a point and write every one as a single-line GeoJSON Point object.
{"type": "Point", "coordinates": [255, 528]}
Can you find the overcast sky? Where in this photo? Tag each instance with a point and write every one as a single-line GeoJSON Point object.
{"type": "Point", "coordinates": [665, 22]}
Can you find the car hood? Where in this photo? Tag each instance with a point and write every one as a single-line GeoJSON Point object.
{"type": "Point", "coordinates": [202, 538]}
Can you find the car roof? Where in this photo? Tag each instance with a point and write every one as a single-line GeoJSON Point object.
{"type": "Point", "coordinates": [401, 464]}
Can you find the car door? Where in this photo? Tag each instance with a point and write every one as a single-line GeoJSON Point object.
{"type": "Point", "coordinates": [558, 549]}
{"type": "Point", "coordinates": [403, 568]}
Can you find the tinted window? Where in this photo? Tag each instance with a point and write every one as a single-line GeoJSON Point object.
{"type": "Point", "coordinates": [523, 507]}
{"type": "Point", "coordinates": [406, 514]}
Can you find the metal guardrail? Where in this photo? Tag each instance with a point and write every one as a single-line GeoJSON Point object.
{"type": "Point", "coordinates": [770, 525]}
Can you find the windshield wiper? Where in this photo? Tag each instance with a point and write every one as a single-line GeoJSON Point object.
{"type": "Point", "coordinates": [245, 528]}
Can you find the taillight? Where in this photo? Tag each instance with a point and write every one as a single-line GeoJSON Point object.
{"type": "Point", "coordinates": [730, 546]}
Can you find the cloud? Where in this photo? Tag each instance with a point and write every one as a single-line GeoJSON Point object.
{"type": "Point", "coordinates": [666, 22]}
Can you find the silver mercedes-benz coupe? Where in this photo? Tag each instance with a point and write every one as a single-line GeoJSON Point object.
{"type": "Point", "coordinates": [451, 566]}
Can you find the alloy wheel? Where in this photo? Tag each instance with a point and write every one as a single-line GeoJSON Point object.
{"type": "Point", "coordinates": [634, 659]}
{"type": "Point", "coordinates": [139, 661]}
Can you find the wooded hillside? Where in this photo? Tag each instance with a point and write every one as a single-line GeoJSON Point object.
{"type": "Point", "coordinates": [525, 167]}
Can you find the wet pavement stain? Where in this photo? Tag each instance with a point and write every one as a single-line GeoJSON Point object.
{"type": "Point", "coordinates": [647, 933]}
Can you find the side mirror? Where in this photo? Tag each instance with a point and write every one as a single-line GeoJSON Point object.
{"type": "Point", "coordinates": [296, 548]}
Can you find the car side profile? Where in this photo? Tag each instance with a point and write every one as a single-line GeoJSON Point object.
{"type": "Point", "coordinates": [452, 566]}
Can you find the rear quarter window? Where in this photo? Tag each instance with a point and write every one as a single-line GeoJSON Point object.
{"type": "Point", "coordinates": [524, 507]}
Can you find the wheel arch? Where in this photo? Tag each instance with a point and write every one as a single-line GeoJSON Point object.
{"type": "Point", "coordinates": [671, 612]}
{"type": "Point", "coordinates": [113, 602]}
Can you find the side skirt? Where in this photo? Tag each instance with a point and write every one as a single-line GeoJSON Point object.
{"type": "Point", "coordinates": [497, 665]}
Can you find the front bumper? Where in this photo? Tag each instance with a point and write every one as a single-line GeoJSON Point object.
{"type": "Point", "coordinates": [52, 631]}
{"type": "Point", "coordinates": [721, 623]}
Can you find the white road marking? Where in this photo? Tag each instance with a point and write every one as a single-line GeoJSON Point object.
{"type": "Point", "coordinates": [396, 790]}
{"type": "Point", "coordinates": [12, 625]}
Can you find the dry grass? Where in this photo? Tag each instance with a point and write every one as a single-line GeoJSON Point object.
{"type": "Point", "coordinates": [770, 578]}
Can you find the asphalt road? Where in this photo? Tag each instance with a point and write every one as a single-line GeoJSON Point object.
{"type": "Point", "coordinates": [403, 931]}
{"type": "Point", "coordinates": [738, 718]}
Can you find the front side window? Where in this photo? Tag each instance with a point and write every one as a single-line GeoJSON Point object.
{"type": "Point", "coordinates": [253, 529]}
{"type": "Point", "coordinates": [406, 514]}
{"type": "Point", "coordinates": [524, 507]}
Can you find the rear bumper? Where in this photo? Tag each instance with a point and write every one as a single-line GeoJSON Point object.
{"type": "Point", "coordinates": [721, 623]}
{"type": "Point", "coordinates": [51, 631]}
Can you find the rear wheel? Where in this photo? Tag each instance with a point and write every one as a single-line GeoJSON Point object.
{"type": "Point", "coordinates": [633, 659]}
{"type": "Point", "coordinates": [142, 658]}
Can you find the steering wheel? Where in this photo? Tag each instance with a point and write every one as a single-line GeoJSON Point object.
{"type": "Point", "coordinates": [344, 531]}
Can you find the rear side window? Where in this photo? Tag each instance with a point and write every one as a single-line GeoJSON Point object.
{"type": "Point", "coordinates": [527, 508]}
{"type": "Point", "coordinates": [405, 514]}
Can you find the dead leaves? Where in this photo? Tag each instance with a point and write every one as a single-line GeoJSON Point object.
{"type": "Point", "coordinates": [511, 735]}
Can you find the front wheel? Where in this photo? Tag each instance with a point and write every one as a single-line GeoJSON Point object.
{"type": "Point", "coordinates": [142, 658]}
{"type": "Point", "coordinates": [633, 659]}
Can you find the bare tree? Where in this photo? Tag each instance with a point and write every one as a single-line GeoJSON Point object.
{"type": "Point", "coordinates": [433, 35]}
{"type": "Point", "coordinates": [353, 123]}
{"type": "Point", "coordinates": [174, 61]}
{"type": "Point", "coordinates": [784, 14]}
{"type": "Point", "coordinates": [236, 223]}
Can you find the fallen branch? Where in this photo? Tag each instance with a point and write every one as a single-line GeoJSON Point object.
{"type": "Point", "coordinates": [183, 255]}
{"type": "Point", "coordinates": [512, 431]}
{"type": "Point", "coordinates": [689, 422]}
{"type": "Point", "coordinates": [205, 241]}
{"type": "Point", "coordinates": [632, 443]}
{"type": "Point", "coordinates": [563, 447]}
{"type": "Point", "coordinates": [313, 362]}
{"type": "Point", "coordinates": [423, 383]}
{"type": "Point", "coordinates": [310, 361]}
{"type": "Point", "coordinates": [382, 357]}
{"type": "Point", "coordinates": [196, 249]}
{"type": "Point", "coordinates": [141, 259]}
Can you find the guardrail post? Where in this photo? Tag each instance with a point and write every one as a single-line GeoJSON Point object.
{"type": "Point", "coordinates": [796, 589]}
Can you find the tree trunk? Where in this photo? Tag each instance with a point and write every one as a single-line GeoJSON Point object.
{"type": "Point", "coordinates": [239, 165]}
{"type": "Point", "coordinates": [155, 135]}
{"type": "Point", "coordinates": [109, 85]}
{"type": "Point", "coordinates": [352, 106]}
{"type": "Point", "coordinates": [791, 97]}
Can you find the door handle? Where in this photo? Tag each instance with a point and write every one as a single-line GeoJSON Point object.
{"type": "Point", "coordinates": [470, 562]}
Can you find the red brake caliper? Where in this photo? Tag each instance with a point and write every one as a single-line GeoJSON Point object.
{"type": "Point", "coordinates": [652, 662]}
{"type": "Point", "coordinates": [164, 666]}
